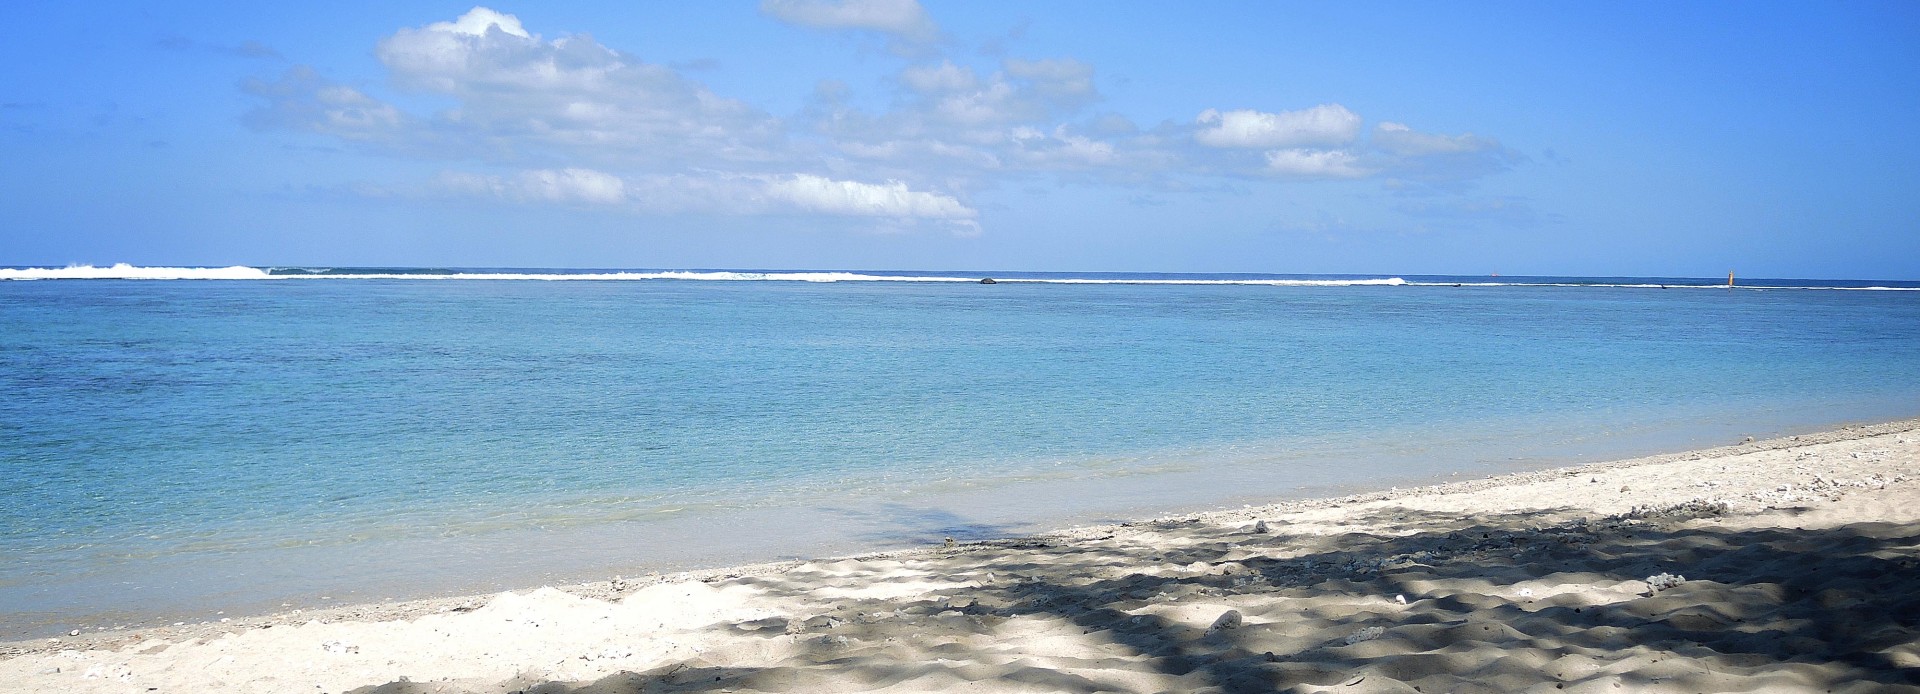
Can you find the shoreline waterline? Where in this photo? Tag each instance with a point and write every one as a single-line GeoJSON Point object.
{"type": "Point", "coordinates": [374, 608]}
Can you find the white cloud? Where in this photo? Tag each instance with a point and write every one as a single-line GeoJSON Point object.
{"type": "Point", "coordinates": [303, 100]}
{"type": "Point", "coordinates": [480, 20]}
{"type": "Point", "coordinates": [1063, 149]}
{"type": "Point", "coordinates": [903, 19]}
{"type": "Point", "coordinates": [1067, 82]}
{"type": "Point", "coordinates": [891, 199]}
{"type": "Point", "coordinates": [1409, 154]}
{"type": "Point", "coordinates": [574, 185]}
{"type": "Point", "coordinates": [933, 79]}
{"type": "Point", "coordinates": [1323, 125]}
{"type": "Point", "coordinates": [1305, 163]}
{"type": "Point", "coordinates": [712, 193]}
{"type": "Point", "coordinates": [522, 99]}
{"type": "Point", "coordinates": [570, 121]}
{"type": "Point", "coordinates": [564, 186]}
{"type": "Point", "coordinates": [951, 120]}
{"type": "Point", "coordinates": [1399, 139]}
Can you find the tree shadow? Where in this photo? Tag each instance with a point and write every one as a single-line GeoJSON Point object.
{"type": "Point", "coordinates": [1493, 603]}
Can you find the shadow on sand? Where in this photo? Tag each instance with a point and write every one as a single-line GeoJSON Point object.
{"type": "Point", "coordinates": [1495, 603]}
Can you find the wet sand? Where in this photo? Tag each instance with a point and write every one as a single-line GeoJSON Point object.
{"type": "Point", "coordinates": [1782, 565]}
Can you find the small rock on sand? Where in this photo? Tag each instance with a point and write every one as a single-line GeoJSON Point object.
{"type": "Point", "coordinates": [1230, 619]}
{"type": "Point", "coordinates": [1367, 634]}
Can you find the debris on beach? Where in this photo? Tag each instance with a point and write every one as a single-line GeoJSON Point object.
{"type": "Point", "coordinates": [117, 671]}
{"type": "Point", "coordinates": [1231, 619]}
{"type": "Point", "coordinates": [608, 653]}
{"type": "Point", "coordinates": [1367, 634]}
{"type": "Point", "coordinates": [1662, 581]}
{"type": "Point", "coordinates": [1691, 508]}
{"type": "Point", "coordinates": [339, 647]}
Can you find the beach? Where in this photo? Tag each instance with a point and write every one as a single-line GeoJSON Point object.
{"type": "Point", "coordinates": [1778, 565]}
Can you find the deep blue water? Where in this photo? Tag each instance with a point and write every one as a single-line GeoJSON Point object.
{"type": "Point", "coordinates": [175, 447]}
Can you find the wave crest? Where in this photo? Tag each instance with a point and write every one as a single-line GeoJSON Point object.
{"type": "Point", "coordinates": [124, 271]}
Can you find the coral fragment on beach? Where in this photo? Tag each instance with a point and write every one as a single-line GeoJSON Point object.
{"type": "Point", "coordinates": [1662, 581]}
{"type": "Point", "coordinates": [1367, 634]}
{"type": "Point", "coordinates": [1231, 619]}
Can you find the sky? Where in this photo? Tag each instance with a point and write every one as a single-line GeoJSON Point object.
{"type": "Point", "coordinates": [1771, 139]}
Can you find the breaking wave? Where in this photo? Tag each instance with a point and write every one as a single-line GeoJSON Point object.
{"type": "Point", "coordinates": [124, 271]}
{"type": "Point", "coordinates": [129, 272]}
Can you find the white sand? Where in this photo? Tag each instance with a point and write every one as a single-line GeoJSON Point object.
{"type": "Point", "coordinates": [1799, 560]}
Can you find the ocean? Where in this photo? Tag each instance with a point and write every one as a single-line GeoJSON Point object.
{"type": "Point", "coordinates": [182, 443]}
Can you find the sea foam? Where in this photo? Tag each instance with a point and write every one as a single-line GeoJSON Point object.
{"type": "Point", "coordinates": [123, 271]}
{"type": "Point", "coordinates": [126, 271]}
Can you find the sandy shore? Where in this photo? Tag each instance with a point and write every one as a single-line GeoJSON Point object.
{"type": "Point", "coordinates": [1784, 565]}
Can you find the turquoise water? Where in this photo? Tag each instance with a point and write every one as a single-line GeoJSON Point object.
{"type": "Point", "coordinates": [172, 448]}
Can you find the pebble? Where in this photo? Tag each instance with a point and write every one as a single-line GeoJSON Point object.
{"type": "Point", "coordinates": [1367, 634]}
{"type": "Point", "coordinates": [1230, 619]}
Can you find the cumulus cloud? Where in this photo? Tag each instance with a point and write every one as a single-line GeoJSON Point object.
{"type": "Point", "coordinates": [711, 193]}
{"type": "Point", "coordinates": [934, 79]}
{"type": "Point", "coordinates": [1324, 142]}
{"type": "Point", "coordinates": [1065, 82]}
{"type": "Point", "coordinates": [1399, 139]}
{"type": "Point", "coordinates": [520, 97]}
{"type": "Point", "coordinates": [570, 121]}
{"type": "Point", "coordinates": [1305, 163]}
{"type": "Point", "coordinates": [301, 99]}
{"type": "Point", "coordinates": [1323, 125]}
{"type": "Point", "coordinates": [574, 185]}
{"type": "Point", "coordinates": [902, 19]}
{"type": "Point", "coordinates": [1436, 158]}
{"type": "Point", "coordinates": [890, 199]}
{"type": "Point", "coordinates": [955, 120]}
{"type": "Point", "coordinates": [565, 186]}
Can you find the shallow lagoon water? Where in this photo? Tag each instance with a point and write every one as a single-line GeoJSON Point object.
{"type": "Point", "coordinates": [173, 448]}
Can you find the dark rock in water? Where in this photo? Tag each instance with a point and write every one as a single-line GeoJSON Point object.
{"type": "Point", "coordinates": [987, 280]}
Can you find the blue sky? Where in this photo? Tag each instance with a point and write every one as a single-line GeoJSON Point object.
{"type": "Point", "coordinates": [1774, 139]}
